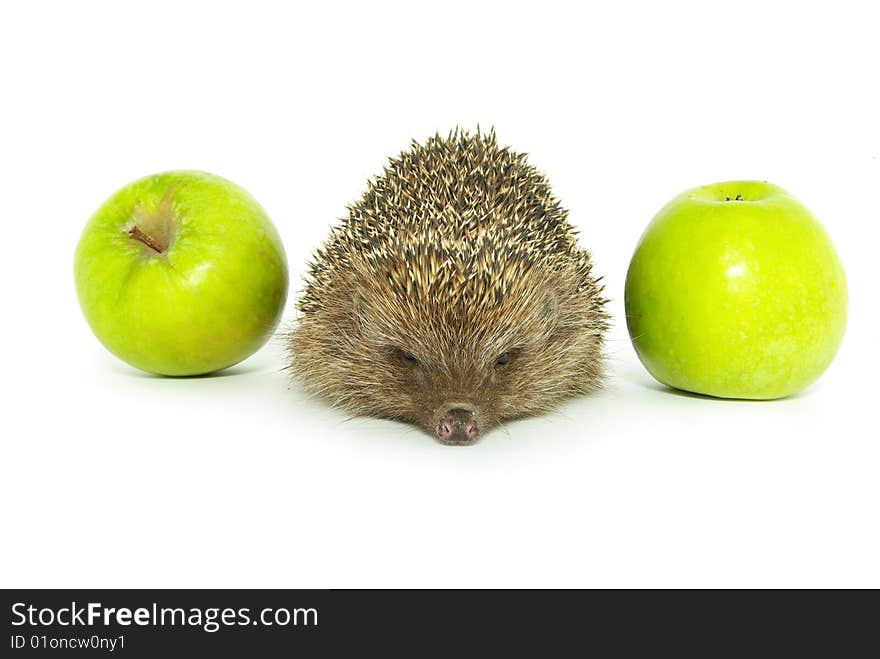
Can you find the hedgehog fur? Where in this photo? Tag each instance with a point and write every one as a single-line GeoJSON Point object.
{"type": "Point", "coordinates": [454, 295]}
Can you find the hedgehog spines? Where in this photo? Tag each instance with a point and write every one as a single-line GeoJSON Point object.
{"type": "Point", "coordinates": [450, 200]}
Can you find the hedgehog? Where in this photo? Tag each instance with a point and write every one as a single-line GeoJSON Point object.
{"type": "Point", "coordinates": [454, 296]}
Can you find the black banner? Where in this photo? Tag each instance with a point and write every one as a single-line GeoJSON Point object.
{"type": "Point", "coordinates": [318, 622]}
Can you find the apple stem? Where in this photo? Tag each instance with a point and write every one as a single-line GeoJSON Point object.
{"type": "Point", "coordinates": [138, 234]}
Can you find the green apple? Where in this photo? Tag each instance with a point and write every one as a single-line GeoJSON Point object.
{"type": "Point", "coordinates": [735, 290]}
{"type": "Point", "coordinates": [181, 273]}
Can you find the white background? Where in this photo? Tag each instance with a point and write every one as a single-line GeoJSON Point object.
{"type": "Point", "coordinates": [112, 478]}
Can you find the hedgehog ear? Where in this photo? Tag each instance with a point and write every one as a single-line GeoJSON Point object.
{"type": "Point", "coordinates": [550, 313]}
{"type": "Point", "coordinates": [359, 309]}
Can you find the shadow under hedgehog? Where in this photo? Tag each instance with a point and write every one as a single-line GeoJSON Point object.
{"type": "Point", "coordinates": [454, 296]}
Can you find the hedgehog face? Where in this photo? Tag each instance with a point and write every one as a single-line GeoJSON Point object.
{"type": "Point", "coordinates": [454, 367]}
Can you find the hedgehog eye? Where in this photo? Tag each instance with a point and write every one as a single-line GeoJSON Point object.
{"type": "Point", "coordinates": [408, 356]}
{"type": "Point", "coordinates": [502, 359]}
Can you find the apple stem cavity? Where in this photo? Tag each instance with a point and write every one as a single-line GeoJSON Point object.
{"type": "Point", "coordinates": [738, 197]}
{"type": "Point", "coordinates": [138, 234]}
{"type": "Point", "coordinates": [154, 228]}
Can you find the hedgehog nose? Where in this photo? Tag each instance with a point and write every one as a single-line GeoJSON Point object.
{"type": "Point", "coordinates": [457, 426]}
